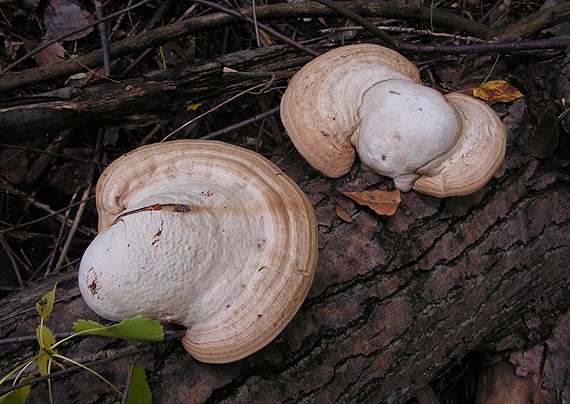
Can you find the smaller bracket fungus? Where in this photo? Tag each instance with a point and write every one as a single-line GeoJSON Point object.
{"type": "Point", "coordinates": [368, 99]}
{"type": "Point", "coordinates": [204, 234]}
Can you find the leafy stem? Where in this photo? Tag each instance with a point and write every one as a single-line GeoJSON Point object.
{"type": "Point", "coordinates": [132, 330]}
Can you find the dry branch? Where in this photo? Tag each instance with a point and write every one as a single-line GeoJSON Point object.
{"type": "Point", "coordinates": [144, 99]}
{"type": "Point", "coordinates": [440, 18]}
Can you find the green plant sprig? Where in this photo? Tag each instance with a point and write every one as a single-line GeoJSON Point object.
{"type": "Point", "coordinates": [132, 330]}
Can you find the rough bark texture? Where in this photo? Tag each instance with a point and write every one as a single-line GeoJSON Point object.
{"type": "Point", "coordinates": [395, 300]}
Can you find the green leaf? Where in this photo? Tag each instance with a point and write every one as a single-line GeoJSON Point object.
{"type": "Point", "coordinates": [77, 76]}
{"type": "Point", "coordinates": [131, 329]}
{"type": "Point", "coordinates": [45, 337]}
{"type": "Point", "coordinates": [45, 305]}
{"type": "Point", "coordinates": [44, 363]}
{"type": "Point", "coordinates": [139, 390]}
{"type": "Point", "coordinates": [17, 396]}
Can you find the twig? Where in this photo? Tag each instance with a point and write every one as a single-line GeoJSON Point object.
{"type": "Point", "coordinates": [57, 241]}
{"type": "Point", "coordinates": [408, 30]}
{"type": "Point", "coordinates": [130, 350]}
{"type": "Point", "coordinates": [125, 352]}
{"type": "Point", "coordinates": [263, 27]}
{"type": "Point", "coordinates": [168, 336]}
{"type": "Point", "coordinates": [6, 186]}
{"type": "Point", "coordinates": [241, 124]}
{"type": "Point", "coordinates": [150, 25]}
{"type": "Point", "coordinates": [491, 70]}
{"type": "Point", "coordinates": [75, 225]}
{"type": "Point", "coordinates": [29, 309]}
{"type": "Point", "coordinates": [65, 35]}
{"type": "Point", "coordinates": [249, 90]}
{"type": "Point", "coordinates": [360, 20]}
{"type": "Point", "coordinates": [128, 384]}
{"type": "Point", "coordinates": [31, 338]}
{"type": "Point", "coordinates": [72, 158]}
{"type": "Point", "coordinates": [483, 48]}
{"type": "Point", "coordinates": [157, 16]}
{"type": "Point", "coordinates": [255, 26]}
{"type": "Point", "coordinates": [450, 21]}
{"type": "Point", "coordinates": [490, 11]}
{"type": "Point", "coordinates": [53, 213]}
{"type": "Point", "coordinates": [120, 19]}
{"type": "Point", "coordinates": [103, 36]}
{"type": "Point", "coordinates": [10, 255]}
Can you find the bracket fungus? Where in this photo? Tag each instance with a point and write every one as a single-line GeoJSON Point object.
{"type": "Point", "coordinates": [369, 100]}
{"type": "Point", "coordinates": [204, 234]}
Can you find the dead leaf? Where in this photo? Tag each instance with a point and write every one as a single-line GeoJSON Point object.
{"type": "Point", "coordinates": [497, 91]}
{"type": "Point", "coordinates": [50, 55]}
{"type": "Point", "coordinates": [62, 16]}
{"type": "Point", "coordinates": [380, 201]}
{"type": "Point", "coordinates": [340, 212]}
{"type": "Point", "coordinates": [111, 135]}
{"type": "Point", "coordinates": [12, 47]}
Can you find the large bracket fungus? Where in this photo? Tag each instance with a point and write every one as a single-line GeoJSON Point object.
{"type": "Point", "coordinates": [369, 98]}
{"type": "Point", "coordinates": [204, 234]}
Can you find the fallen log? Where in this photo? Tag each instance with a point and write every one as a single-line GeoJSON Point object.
{"type": "Point", "coordinates": [157, 96]}
{"type": "Point", "coordinates": [396, 300]}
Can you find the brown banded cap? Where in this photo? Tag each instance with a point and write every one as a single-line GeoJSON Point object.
{"type": "Point", "coordinates": [204, 234]}
{"type": "Point", "coordinates": [367, 99]}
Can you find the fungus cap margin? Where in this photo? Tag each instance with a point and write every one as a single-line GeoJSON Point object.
{"type": "Point", "coordinates": [319, 109]}
{"type": "Point", "coordinates": [264, 294]}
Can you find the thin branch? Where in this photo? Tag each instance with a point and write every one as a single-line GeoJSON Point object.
{"type": "Point", "coordinates": [360, 20]}
{"type": "Point", "coordinates": [79, 214]}
{"type": "Point", "coordinates": [257, 24]}
{"type": "Point", "coordinates": [440, 18]}
{"type": "Point", "coordinates": [72, 158]}
{"type": "Point", "coordinates": [57, 241]}
{"type": "Point", "coordinates": [128, 383]}
{"type": "Point", "coordinates": [129, 350]}
{"type": "Point", "coordinates": [241, 124]}
{"type": "Point", "coordinates": [65, 35]}
{"type": "Point", "coordinates": [10, 255]}
{"type": "Point", "coordinates": [249, 90]}
{"type": "Point", "coordinates": [53, 213]}
{"type": "Point", "coordinates": [103, 36]}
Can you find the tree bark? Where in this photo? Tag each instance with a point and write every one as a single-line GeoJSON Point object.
{"type": "Point", "coordinates": [395, 300]}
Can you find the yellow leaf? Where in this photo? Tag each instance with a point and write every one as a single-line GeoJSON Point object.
{"type": "Point", "coordinates": [45, 305]}
{"type": "Point", "coordinates": [44, 364]}
{"type": "Point", "coordinates": [497, 91]}
{"type": "Point", "coordinates": [45, 337]}
{"type": "Point", "coordinates": [381, 202]}
{"type": "Point", "coordinates": [193, 107]}
{"type": "Point", "coordinates": [77, 76]}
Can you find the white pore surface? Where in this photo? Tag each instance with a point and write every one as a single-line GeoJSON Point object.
{"type": "Point", "coordinates": [406, 130]}
{"type": "Point", "coordinates": [180, 267]}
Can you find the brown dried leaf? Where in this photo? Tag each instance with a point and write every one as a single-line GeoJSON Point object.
{"type": "Point", "coordinates": [497, 91]}
{"type": "Point", "coordinates": [380, 201]}
{"type": "Point", "coordinates": [111, 135]}
{"type": "Point", "coordinates": [340, 212]}
{"type": "Point", "coordinates": [50, 55]}
{"type": "Point", "coordinates": [62, 16]}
